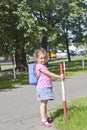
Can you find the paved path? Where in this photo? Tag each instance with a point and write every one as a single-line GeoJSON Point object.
{"type": "Point", "coordinates": [19, 109]}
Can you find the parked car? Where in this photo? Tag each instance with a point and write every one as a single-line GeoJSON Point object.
{"type": "Point", "coordinates": [52, 55]}
{"type": "Point", "coordinates": [80, 53]}
{"type": "Point", "coordinates": [61, 54]}
{"type": "Point", "coordinates": [72, 53]}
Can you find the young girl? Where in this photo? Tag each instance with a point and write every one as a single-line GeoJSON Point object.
{"type": "Point", "coordinates": [44, 86]}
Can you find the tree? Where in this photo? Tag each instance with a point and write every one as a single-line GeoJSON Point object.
{"type": "Point", "coordinates": [69, 14]}
{"type": "Point", "coordinates": [26, 25]}
{"type": "Point", "coordinates": [62, 16]}
{"type": "Point", "coordinates": [43, 12]}
{"type": "Point", "coordinates": [16, 23]}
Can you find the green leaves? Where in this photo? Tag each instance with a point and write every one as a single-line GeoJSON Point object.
{"type": "Point", "coordinates": [25, 19]}
{"type": "Point", "coordinates": [36, 22]}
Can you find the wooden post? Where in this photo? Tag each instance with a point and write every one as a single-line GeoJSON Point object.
{"type": "Point", "coordinates": [83, 63]}
{"type": "Point", "coordinates": [64, 66]}
{"type": "Point", "coordinates": [14, 73]}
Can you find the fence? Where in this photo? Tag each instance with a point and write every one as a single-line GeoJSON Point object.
{"type": "Point", "coordinates": [74, 65]}
{"type": "Point", "coordinates": [7, 75]}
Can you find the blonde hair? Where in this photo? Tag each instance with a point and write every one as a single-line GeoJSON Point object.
{"type": "Point", "coordinates": [40, 51]}
{"type": "Point", "coordinates": [36, 55]}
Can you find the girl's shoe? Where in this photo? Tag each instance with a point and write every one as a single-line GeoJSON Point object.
{"type": "Point", "coordinates": [50, 120]}
{"type": "Point", "coordinates": [45, 123]}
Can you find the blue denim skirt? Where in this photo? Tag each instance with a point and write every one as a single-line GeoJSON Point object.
{"type": "Point", "coordinates": [45, 94]}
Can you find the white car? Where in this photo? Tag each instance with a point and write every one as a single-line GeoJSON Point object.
{"type": "Point", "coordinates": [61, 54]}
{"type": "Point", "coordinates": [81, 53]}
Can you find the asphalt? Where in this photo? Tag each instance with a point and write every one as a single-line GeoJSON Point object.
{"type": "Point", "coordinates": [19, 109]}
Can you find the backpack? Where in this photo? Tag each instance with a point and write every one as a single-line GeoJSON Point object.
{"type": "Point", "coordinates": [32, 79]}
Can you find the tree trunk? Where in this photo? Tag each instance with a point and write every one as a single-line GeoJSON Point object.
{"type": "Point", "coordinates": [20, 58]}
{"type": "Point", "coordinates": [44, 41]}
{"type": "Point", "coordinates": [67, 47]}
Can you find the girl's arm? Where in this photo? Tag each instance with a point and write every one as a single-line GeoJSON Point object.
{"type": "Point", "coordinates": [50, 74]}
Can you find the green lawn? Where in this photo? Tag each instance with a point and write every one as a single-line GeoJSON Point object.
{"type": "Point", "coordinates": [72, 68]}
{"type": "Point", "coordinates": [7, 80]}
{"type": "Point", "coordinates": [76, 116]}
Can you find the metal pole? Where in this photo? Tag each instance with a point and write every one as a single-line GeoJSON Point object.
{"type": "Point", "coordinates": [63, 92]}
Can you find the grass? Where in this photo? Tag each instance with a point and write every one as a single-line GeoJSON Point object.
{"type": "Point", "coordinates": [76, 116]}
{"type": "Point", "coordinates": [72, 68]}
{"type": "Point", "coordinates": [7, 80]}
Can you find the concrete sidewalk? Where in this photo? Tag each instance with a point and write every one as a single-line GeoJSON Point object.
{"type": "Point", "coordinates": [19, 109]}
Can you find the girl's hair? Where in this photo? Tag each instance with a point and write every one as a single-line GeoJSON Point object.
{"type": "Point", "coordinates": [40, 51]}
{"type": "Point", "coordinates": [36, 55]}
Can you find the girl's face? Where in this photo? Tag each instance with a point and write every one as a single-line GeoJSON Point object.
{"type": "Point", "coordinates": [42, 59]}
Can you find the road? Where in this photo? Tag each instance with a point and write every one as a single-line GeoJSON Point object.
{"type": "Point", "coordinates": [19, 109]}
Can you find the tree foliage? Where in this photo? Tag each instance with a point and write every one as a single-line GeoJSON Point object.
{"type": "Point", "coordinates": [26, 25]}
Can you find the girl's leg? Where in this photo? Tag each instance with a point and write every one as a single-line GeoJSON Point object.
{"type": "Point", "coordinates": [43, 110]}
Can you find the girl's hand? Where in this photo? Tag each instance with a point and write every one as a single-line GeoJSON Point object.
{"type": "Point", "coordinates": [62, 77]}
